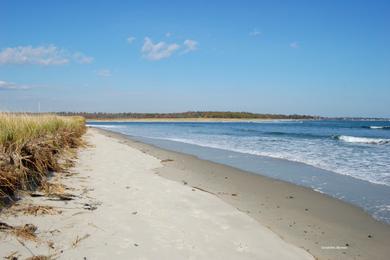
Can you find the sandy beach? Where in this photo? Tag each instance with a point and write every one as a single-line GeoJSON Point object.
{"type": "Point", "coordinates": [326, 227]}
{"type": "Point", "coordinates": [119, 206]}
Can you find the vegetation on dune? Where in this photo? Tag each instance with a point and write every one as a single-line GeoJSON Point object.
{"type": "Point", "coordinates": [196, 114]}
{"type": "Point", "coordinates": [31, 146]}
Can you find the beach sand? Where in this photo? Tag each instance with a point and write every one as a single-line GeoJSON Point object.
{"type": "Point", "coordinates": [120, 207]}
{"type": "Point", "coordinates": [326, 227]}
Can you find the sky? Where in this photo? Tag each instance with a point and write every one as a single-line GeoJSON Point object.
{"type": "Point", "coordinates": [327, 58]}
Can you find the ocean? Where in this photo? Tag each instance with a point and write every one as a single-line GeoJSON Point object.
{"type": "Point", "coordinates": [346, 159]}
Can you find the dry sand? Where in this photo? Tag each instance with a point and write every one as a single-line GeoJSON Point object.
{"type": "Point", "coordinates": [122, 209]}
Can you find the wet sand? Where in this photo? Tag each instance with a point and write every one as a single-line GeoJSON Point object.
{"type": "Point", "coordinates": [326, 227]}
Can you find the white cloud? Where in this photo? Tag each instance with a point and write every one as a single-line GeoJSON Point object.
{"type": "Point", "coordinates": [168, 34]}
{"type": "Point", "coordinates": [11, 86]}
{"type": "Point", "coordinates": [255, 33]}
{"type": "Point", "coordinates": [130, 39]}
{"type": "Point", "coordinates": [294, 45]}
{"type": "Point", "coordinates": [81, 58]}
{"type": "Point", "coordinates": [41, 55]}
{"type": "Point", "coordinates": [190, 45]}
{"type": "Point", "coordinates": [104, 73]}
{"type": "Point", "coordinates": [158, 51]}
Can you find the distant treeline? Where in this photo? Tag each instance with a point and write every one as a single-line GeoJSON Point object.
{"type": "Point", "coordinates": [195, 114]}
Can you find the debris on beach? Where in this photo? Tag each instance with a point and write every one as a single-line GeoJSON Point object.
{"type": "Point", "coordinates": [36, 194]}
{"type": "Point", "coordinates": [79, 239]}
{"type": "Point", "coordinates": [61, 197]}
{"type": "Point", "coordinates": [4, 226]}
{"type": "Point", "coordinates": [26, 232]}
{"type": "Point", "coordinates": [12, 256]}
{"type": "Point", "coordinates": [89, 206]}
{"type": "Point", "coordinates": [203, 190]}
{"type": "Point", "coordinates": [39, 257]}
{"type": "Point", "coordinates": [167, 160]}
{"type": "Point", "coordinates": [50, 244]}
{"type": "Point", "coordinates": [55, 191]}
{"type": "Point", "coordinates": [35, 210]}
{"type": "Point", "coordinates": [51, 188]}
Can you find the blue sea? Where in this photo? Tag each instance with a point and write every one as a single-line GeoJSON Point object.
{"type": "Point", "coordinates": [346, 159]}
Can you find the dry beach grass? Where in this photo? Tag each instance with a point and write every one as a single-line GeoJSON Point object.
{"type": "Point", "coordinates": [32, 146]}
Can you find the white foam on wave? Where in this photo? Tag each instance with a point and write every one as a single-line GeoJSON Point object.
{"type": "Point", "coordinates": [362, 140]}
{"type": "Point", "coordinates": [296, 157]}
{"type": "Point", "coordinates": [271, 121]}
{"type": "Point", "coordinates": [382, 212]}
{"type": "Point", "coordinates": [379, 127]}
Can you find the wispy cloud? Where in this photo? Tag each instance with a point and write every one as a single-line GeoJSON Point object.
{"type": "Point", "coordinates": [190, 45]}
{"type": "Point", "coordinates": [81, 58]}
{"type": "Point", "coordinates": [161, 50]}
{"type": "Point", "coordinates": [255, 33]}
{"type": "Point", "coordinates": [4, 85]}
{"type": "Point", "coordinates": [104, 73]}
{"type": "Point", "coordinates": [158, 51]}
{"type": "Point", "coordinates": [130, 39]}
{"type": "Point", "coordinates": [41, 55]}
{"type": "Point", "coordinates": [168, 34]}
{"type": "Point", "coordinates": [294, 45]}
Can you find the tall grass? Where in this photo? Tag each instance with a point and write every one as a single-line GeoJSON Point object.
{"type": "Point", "coordinates": [31, 146]}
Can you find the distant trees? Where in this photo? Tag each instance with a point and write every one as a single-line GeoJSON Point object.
{"type": "Point", "coordinates": [190, 114]}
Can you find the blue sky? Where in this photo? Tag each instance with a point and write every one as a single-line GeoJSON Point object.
{"type": "Point", "coordinates": [327, 58]}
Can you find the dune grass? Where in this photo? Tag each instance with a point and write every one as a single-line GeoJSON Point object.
{"type": "Point", "coordinates": [32, 146]}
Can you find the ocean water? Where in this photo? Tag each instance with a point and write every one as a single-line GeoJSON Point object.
{"type": "Point", "coordinates": [324, 155]}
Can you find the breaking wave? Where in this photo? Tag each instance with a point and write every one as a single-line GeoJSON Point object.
{"type": "Point", "coordinates": [361, 140]}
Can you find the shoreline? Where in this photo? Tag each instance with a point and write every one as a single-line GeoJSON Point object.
{"type": "Point", "coordinates": [324, 226]}
{"type": "Point", "coordinates": [190, 120]}
{"type": "Point", "coordinates": [361, 193]}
